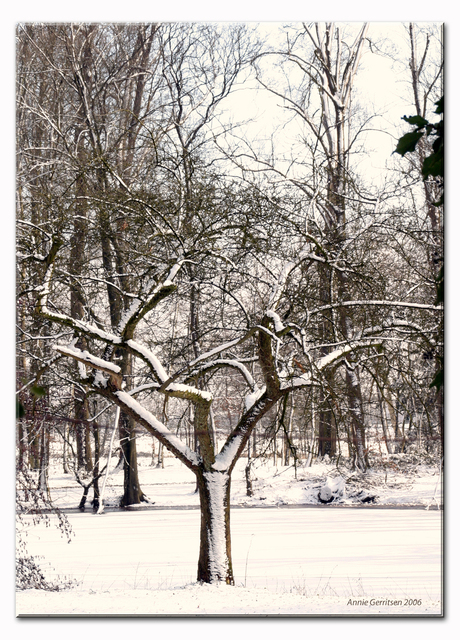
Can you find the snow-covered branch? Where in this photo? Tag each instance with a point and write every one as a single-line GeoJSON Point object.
{"type": "Point", "coordinates": [377, 303]}
{"type": "Point", "coordinates": [157, 428]}
{"type": "Point", "coordinates": [126, 401]}
{"type": "Point", "coordinates": [333, 358]}
{"type": "Point", "coordinates": [221, 363]}
{"type": "Point", "coordinates": [139, 308]}
{"type": "Point", "coordinates": [88, 359]}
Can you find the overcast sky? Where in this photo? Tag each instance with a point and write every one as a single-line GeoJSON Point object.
{"type": "Point", "coordinates": [382, 87]}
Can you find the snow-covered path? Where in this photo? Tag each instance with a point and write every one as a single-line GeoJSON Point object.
{"type": "Point", "coordinates": [311, 561]}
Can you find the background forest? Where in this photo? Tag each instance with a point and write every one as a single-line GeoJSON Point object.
{"type": "Point", "coordinates": [239, 284]}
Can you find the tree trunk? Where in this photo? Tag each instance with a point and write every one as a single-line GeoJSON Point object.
{"type": "Point", "coordinates": [82, 504]}
{"type": "Point", "coordinates": [132, 492]}
{"type": "Point", "coordinates": [327, 434]}
{"type": "Point", "coordinates": [247, 472]}
{"type": "Point", "coordinates": [21, 446]}
{"type": "Point", "coordinates": [161, 457]}
{"type": "Point", "coordinates": [440, 409]}
{"type": "Point", "coordinates": [356, 419]}
{"type": "Point", "coordinates": [33, 445]}
{"type": "Point", "coordinates": [44, 461]}
{"type": "Point", "coordinates": [383, 419]}
{"type": "Point", "coordinates": [97, 456]}
{"type": "Point", "coordinates": [215, 561]}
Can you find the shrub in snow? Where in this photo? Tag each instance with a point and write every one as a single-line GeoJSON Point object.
{"type": "Point", "coordinates": [30, 576]}
{"type": "Point", "coordinates": [31, 501]}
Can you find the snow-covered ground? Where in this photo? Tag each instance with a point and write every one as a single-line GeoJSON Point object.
{"type": "Point", "coordinates": [359, 560]}
{"type": "Point", "coordinates": [297, 561]}
{"type": "Point", "coordinates": [397, 480]}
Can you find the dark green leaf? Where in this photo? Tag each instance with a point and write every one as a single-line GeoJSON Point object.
{"type": "Point", "coordinates": [418, 121]}
{"type": "Point", "coordinates": [20, 411]}
{"type": "Point", "coordinates": [39, 392]}
{"type": "Point", "coordinates": [408, 142]}
{"type": "Point", "coordinates": [433, 165]}
{"type": "Point", "coordinates": [438, 144]}
{"type": "Point", "coordinates": [440, 107]}
{"type": "Point", "coordinates": [438, 380]}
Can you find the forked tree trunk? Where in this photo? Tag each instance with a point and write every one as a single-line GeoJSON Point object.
{"type": "Point", "coordinates": [215, 560]}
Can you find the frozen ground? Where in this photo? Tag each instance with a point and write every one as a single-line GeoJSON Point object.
{"type": "Point", "coordinates": [323, 560]}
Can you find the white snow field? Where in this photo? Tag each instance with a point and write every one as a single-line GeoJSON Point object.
{"type": "Point", "coordinates": [291, 560]}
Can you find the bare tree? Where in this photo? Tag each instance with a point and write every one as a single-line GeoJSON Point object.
{"type": "Point", "coordinates": [329, 67]}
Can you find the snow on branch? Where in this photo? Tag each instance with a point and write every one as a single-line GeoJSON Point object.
{"type": "Point", "coordinates": [187, 392]}
{"type": "Point", "coordinates": [126, 401]}
{"type": "Point", "coordinates": [222, 362]}
{"type": "Point", "coordinates": [88, 329]}
{"type": "Point", "coordinates": [167, 382]}
{"type": "Point", "coordinates": [376, 303]}
{"type": "Point", "coordinates": [307, 379]}
{"type": "Point", "coordinates": [279, 326]}
{"type": "Point", "coordinates": [228, 454]}
{"type": "Point", "coordinates": [269, 333]}
{"type": "Point", "coordinates": [252, 398]}
{"type": "Point", "coordinates": [178, 390]}
{"type": "Point", "coordinates": [256, 405]}
{"type": "Point", "coordinates": [219, 349]}
{"type": "Point", "coordinates": [149, 357]}
{"type": "Point", "coordinates": [397, 325]}
{"type": "Point", "coordinates": [170, 441]}
{"type": "Point", "coordinates": [139, 308]}
{"type": "Point", "coordinates": [87, 358]}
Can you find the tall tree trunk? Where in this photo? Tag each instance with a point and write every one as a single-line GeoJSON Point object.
{"type": "Point", "coordinates": [383, 418]}
{"type": "Point", "coordinates": [97, 456]}
{"type": "Point", "coordinates": [33, 444]}
{"type": "Point", "coordinates": [82, 437]}
{"type": "Point", "coordinates": [326, 432]}
{"type": "Point", "coordinates": [346, 325]}
{"type": "Point", "coordinates": [44, 460]}
{"type": "Point", "coordinates": [355, 406]}
{"type": "Point", "coordinates": [21, 444]}
{"type": "Point", "coordinates": [432, 191]}
{"type": "Point", "coordinates": [132, 492]}
{"type": "Point", "coordinates": [440, 408]}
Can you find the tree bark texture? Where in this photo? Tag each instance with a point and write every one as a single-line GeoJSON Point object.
{"type": "Point", "coordinates": [215, 559]}
{"type": "Point", "coordinates": [132, 492]}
